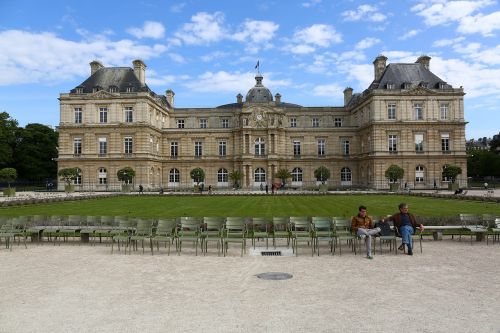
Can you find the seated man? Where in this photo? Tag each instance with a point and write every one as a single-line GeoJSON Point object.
{"type": "Point", "coordinates": [405, 224]}
{"type": "Point", "coordinates": [362, 225]}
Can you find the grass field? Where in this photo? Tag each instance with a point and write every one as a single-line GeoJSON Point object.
{"type": "Point", "coordinates": [267, 206]}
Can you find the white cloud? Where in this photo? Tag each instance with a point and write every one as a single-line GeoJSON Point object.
{"type": "Point", "coordinates": [410, 34]}
{"type": "Point", "coordinates": [204, 28]}
{"type": "Point", "coordinates": [178, 7]}
{"type": "Point", "coordinates": [177, 58]}
{"type": "Point", "coordinates": [150, 29]}
{"type": "Point", "coordinates": [483, 24]}
{"type": "Point", "coordinates": [58, 59]}
{"type": "Point", "coordinates": [311, 3]}
{"type": "Point", "coordinates": [301, 49]}
{"type": "Point", "coordinates": [213, 55]}
{"type": "Point", "coordinates": [329, 90]}
{"type": "Point", "coordinates": [223, 81]}
{"type": "Point", "coordinates": [364, 13]}
{"type": "Point", "coordinates": [256, 31]}
{"type": "Point", "coordinates": [447, 42]}
{"type": "Point", "coordinates": [317, 35]}
{"type": "Point", "coordinates": [366, 43]}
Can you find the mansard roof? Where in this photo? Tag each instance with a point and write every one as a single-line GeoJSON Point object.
{"type": "Point", "coordinates": [402, 75]}
{"type": "Point", "coordinates": [120, 77]}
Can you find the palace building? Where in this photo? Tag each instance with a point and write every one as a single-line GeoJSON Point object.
{"type": "Point", "coordinates": [408, 116]}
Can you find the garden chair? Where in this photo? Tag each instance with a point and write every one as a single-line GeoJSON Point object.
{"type": "Point", "coordinates": [322, 230]}
{"type": "Point", "coordinates": [92, 223]}
{"type": "Point", "coordinates": [301, 232]}
{"type": "Point", "coordinates": [6, 232]}
{"type": "Point", "coordinates": [122, 232]}
{"type": "Point", "coordinates": [106, 225]}
{"type": "Point", "coordinates": [494, 232]}
{"type": "Point", "coordinates": [234, 231]}
{"type": "Point", "coordinates": [165, 233]}
{"type": "Point", "coordinates": [212, 232]}
{"type": "Point", "coordinates": [71, 227]}
{"type": "Point", "coordinates": [54, 224]}
{"type": "Point", "coordinates": [260, 229]}
{"type": "Point", "coordinates": [281, 229]}
{"type": "Point", "coordinates": [389, 239]}
{"type": "Point", "coordinates": [473, 224]}
{"type": "Point", "coordinates": [342, 232]}
{"type": "Point", "coordinates": [188, 231]}
{"type": "Point", "coordinates": [35, 229]}
{"type": "Point", "coordinates": [142, 233]}
{"type": "Point", "coordinates": [19, 225]}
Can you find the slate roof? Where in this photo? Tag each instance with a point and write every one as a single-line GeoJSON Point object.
{"type": "Point", "coordinates": [120, 77]}
{"type": "Point", "coordinates": [414, 74]}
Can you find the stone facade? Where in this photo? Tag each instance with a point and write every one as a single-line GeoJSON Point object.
{"type": "Point", "coordinates": [407, 116]}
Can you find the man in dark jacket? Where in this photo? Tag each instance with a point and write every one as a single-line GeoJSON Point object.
{"type": "Point", "coordinates": [405, 225]}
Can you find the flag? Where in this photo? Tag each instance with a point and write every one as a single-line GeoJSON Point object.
{"type": "Point", "coordinates": [257, 66]}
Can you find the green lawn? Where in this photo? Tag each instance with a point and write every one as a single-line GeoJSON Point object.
{"type": "Point", "coordinates": [268, 206]}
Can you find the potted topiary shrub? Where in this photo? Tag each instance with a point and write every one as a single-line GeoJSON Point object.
{"type": "Point", "coordinates": [126, 175]}
{"type": "Point", "coordinates": [322, 174]}
{"type": "Point", "coordinates": [68, 175]}
{"type": "Point", "coordinates": [8, 175]}
{"type": "Point", "coordinates": [197, 175]}
{"type": "Point", "coordinates": [394, 173]}
{"type": "Point", "coordinates": [235, 177]}
{"type": "Point", "coordinates": [283, 175]}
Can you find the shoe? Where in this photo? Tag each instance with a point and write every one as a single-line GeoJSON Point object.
{"type": "Point", "coordinates": [401, 247]}
{"type": "Point", "coordinates": [410, 253]}
{"type": "Point", "coordinates": [369, 257]}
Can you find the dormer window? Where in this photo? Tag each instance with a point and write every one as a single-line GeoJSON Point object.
{"type": "Point", "coordinates": [96, 89]}
{"type": "Point", "coordinates": [390, 85]}
{"type": "Point", "coordinates": [79, 90]}
{"type": "Point", "coordinates": [406, 85]}
{"type": "Point", "coordinates": [423, 84]}
{"type": "Point", "coordinates": [442, 85]}
{"type": "Point", "coordinates": [113, 89]}
{"type": "Point", "coordinates": [130, 89]}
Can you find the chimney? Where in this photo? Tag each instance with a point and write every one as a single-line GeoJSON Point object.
{"type": "Point", "coordinates": [140, 71]}
{"type": "Point", "coordinates": [347, 95]}
{"type": "Point", "coordinates": [277, 98]}
{"type": "Point", "coordinates": [424, 60]}
{"type": "Point", "coordinates": [170, 97]}
{"type": "Point", "coordinates": [239, 99]}
{"type": "Point", "coordinates": [379, 66]}
{"type": "Point", "coordinates": [95, 66]}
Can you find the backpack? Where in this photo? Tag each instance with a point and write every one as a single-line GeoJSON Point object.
{"type": "Point", "coordinates": [385, 229]}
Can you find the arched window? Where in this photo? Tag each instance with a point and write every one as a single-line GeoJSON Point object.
{"type": "Point", "coordinates": [297, 175]}
{"type": "Point", "coordinates": [443, 177]}
{"type": "Point", "coordinates": [222, 176]}
{"type": "Point", "coordinates": [78, 179]}
{"type": "Point", "coordinates": [260, 175]}
{"type": "Point", "coordinates": [174, 176]}
{"type": "Point", "coordinates": [345, 175]}
{"type": "Point", "coordinates": [260, 146]}
{"type": "Point", "coordinates": [103, 176]}
{"type": "Point", "coordinates": [419, 174]}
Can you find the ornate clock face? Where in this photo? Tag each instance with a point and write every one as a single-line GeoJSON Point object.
{"type": "Point", "coordinates": [259, 117]}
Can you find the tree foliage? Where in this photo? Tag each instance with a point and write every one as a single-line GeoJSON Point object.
{"type": "Point", "coordinates": [198, 175]}
{"type": "Point", "coordinates": [322, 174]}
{"type": "Point", "coordinates": [68, 175]}
{"type": "Point", "coordinates": [235, 177]}
{"type": "Point", "coordinates": [8, 175]}
{"type": "Point", "coordinates": [8, 128]}
{"type": "Point", "coordinates": [483, 163]}
{"type": "Point", "coordinates": [394, 173]}
{"type": "Point", "coordinates": [451, 172]}
{"type": "Point", "coordinates": [283, 174]}
{"type": "Point", "coordinates": [126, 175]}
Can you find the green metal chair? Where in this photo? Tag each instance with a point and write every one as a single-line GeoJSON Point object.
{"type": "Point", "coordinates": [494, 231]}
{"type": "Point", "coordinates": [71, 227]}
{"type": "Point", "coordinates": [212, 232]}
{"type": "Point", "coordinates": [188, 231]}
{"type": "Point", "coordinates": [390, 239]}
{"type": "Point", "coordinates": [234, 232]}
{"type": "Point", "coordinates": [122, 232]}
{"type": "Point", "coordinates": [261, 228]}
{"type": "Point", "coordinates": [322, 230]}
{"type": "Point", "coordinates": [35, 229]}
{"type": "Point", "coordinates": [342, 232]}
{"type": "Point", "coordinates": [142, 233]}
{"type": "Point", "coordinates": [165, 233]}
{"type": "Point", "coordinates": [301, 231]}
{"type": "Point", "coordinates": [89, 227]}
{"type": "Point", "coordinates": [106, 225]}
{"type": "Point", "coordinates": [280, 229]}
{"type": "Point", "coordinates": [6, 232]}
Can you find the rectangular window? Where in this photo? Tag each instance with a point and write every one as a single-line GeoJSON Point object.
{"type": "Point", "coordinates": [393, 143]}
{"type": "Point", "coordinates": [78, 115]}
{"type": "Point", "coordinates": [129, 114]}
{"type": "Point", "coordinates": [345, 147]}
{"type": "Point", "coordinates": [77, 146]}
{"type": "Point", "coordinates": [180, 123]}
{"type": "Point", "coordinates": [296, 148]}
{"type": "Point", "coordinates": [174, 148]}
{"type": "Point", "coordinates": [337, 122]}
{"type": "Point", "coordinates": [391, 111]}
{"type": "Point", "coordinates": [445, 142]}
{"type": "Point", "coordinates": [443, 111]}
{"type": "Point", "coordinates": [225, 123]}
{"type": "Point", "coordinates": [198, 148]}
{"type": "Point", "coordinates": [103, 115]}
{"type": "Point", "coordinates": [315, 122]}
{"type": "Point", "coordinates": [103, 146]}
{"type": "Point", "coordinates": [203, 123]}
{"type": "Point", "coordinates": [128, 145]}
{"type": "Point", "coordinates": [293, 122]}
{"type": "Point", "coordinates": [419, 143]}
{"type": "Point", "coordinates": [417, 107]}
{"type": "Point", "coordinates": [321, 147]}
{"type": "Point", "coordinates": [103, 176]}
{"type": "Point", "coordinates": [222, 148]}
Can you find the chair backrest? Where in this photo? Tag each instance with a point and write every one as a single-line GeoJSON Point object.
{"type": "Point", "coordinates": [300, 225]}
{"type": "Point", "coordinates": [143, 227]}
{"type": "Point", "coordinates": [321, 223]}
{"type": "Point", "coordinates": [468, 219]}
{"type": "Point", "coordinates": [488, 220]}
{"type": "Point", "coordinates": [235, 223]}
{"type": "Point", "coordinates": [213, 223]}
{"type": "Point", "coordinates": [56, 220]}
{"type": "Point", "coordinates": [166, 226]}
{"type": "Point", "coordinates": [342, 225]}
{"type": "Point", "coordinates": [75, 220]}
{"type": "Point", "coordinates": [260, 224]}
{"type": "Point", "coordinates": [39, 220]}
{"type": "Point", "coordinates": [109, 220]}
{"type": "Point", "coordinates": [93, 220]}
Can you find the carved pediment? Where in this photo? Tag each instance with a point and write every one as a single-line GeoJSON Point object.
{"type": "Point", "coordinates": [420, 91]}
{"type": "Point", "coordinates": [102, 94]}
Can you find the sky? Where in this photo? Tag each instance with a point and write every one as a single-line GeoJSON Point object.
{"type": "Point", "coordinates": [206, 51]}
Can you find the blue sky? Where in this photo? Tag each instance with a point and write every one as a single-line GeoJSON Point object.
{"type": "Point", "coordinates": [206, 51]}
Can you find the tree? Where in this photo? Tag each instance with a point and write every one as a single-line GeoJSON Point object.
{"type": "Point", "coordinates": [495, 144]}
{"type": "Point", "coordinates": [198, 175]}
{"type": "Point", "coordinates": [8, 127]}
{"type": "Point", "coordinates": [322, 174]}
{"type": "Point", "coordinates": [8, 175]}
{"type": "Point", "coordinates": [451, 172]}
{"type": "Point", "coordinates": [394, 173]}
{"type": "Point", "coordinates": [35, 152]}
{"type": "Point", "coordinates": [235, 177]}
{"type": "Point", "coordinates": [126, 175]}
{"type": "Point", "coordinates": [68, 175]}
{"type": "Point", "coordinates": [483, 163]}
{"type": "Point", "coordinates": [283, 174]}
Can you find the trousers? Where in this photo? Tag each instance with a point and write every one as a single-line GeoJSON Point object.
{"type": "Point", "coordinates": [367, 235]}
